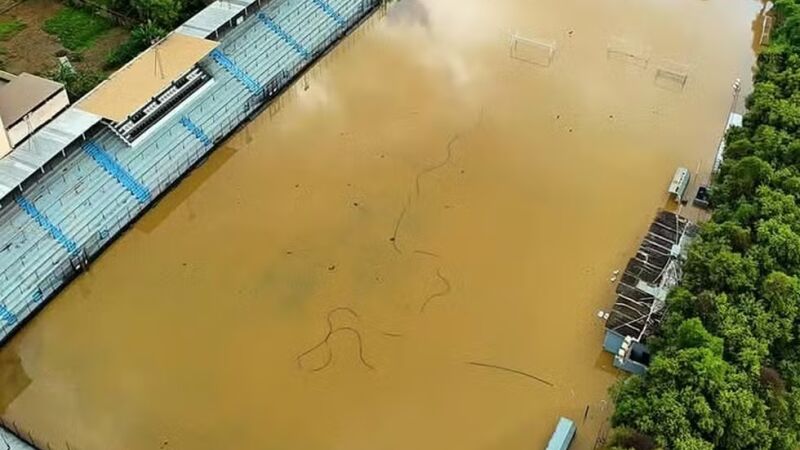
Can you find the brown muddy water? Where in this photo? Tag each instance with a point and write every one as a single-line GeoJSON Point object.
{"type": "Point", "coordinates": [345, 272]}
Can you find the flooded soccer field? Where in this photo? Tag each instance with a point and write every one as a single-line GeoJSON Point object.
{"type": "Point", "coordinates": [405, 251]}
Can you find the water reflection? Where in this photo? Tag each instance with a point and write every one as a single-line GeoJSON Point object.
{"type": "Point", "coordinates": [13, 379]}
{"type": "Point", "coordinates": [411, 12]}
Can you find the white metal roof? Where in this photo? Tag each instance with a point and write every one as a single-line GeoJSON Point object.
{"type": "Point", "coordinates": [212, 17]}
{"type": "Point", "coordinates": [734, 120]}
{"type": "Point", "coordinates": [12, 442]}
{"type": "Point", "coordinates": [42, 146]}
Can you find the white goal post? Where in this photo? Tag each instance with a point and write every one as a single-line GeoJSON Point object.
{"type": "Point", "coordinates": [671, 72]}
{"type": "Point", "coordinates": [532, 51]}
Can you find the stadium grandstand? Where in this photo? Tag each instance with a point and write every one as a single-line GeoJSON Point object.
{"type": "Point", "coordinates": [80, 177]}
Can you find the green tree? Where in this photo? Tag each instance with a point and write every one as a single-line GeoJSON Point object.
{"type": "Point", "coordinates": [162, 13]}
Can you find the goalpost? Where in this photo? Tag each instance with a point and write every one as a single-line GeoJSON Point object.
{"type": "Point", "coordinates": [532, 51]}
{"type": "Point", "coordinates": [672, 74]}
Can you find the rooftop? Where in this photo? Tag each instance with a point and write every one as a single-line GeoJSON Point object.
{"type": "Point", "coordinates": [215, 16]}
{"type": "Point", "coordinates": [22, 95]}
{"type": "Point", "coordinates": [648, 276]}
{"type": "Point", "coordinates": [132, 86]}
{"type": "Point", "coordinates": [42, 146]}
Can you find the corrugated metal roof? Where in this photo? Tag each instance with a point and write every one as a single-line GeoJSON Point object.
{"type": "Point", "coordinates": [214, 16]}
{"type": "Point", "coordinates": [42, 146]}
{"type": "Point", "coordinates": [12, 442]}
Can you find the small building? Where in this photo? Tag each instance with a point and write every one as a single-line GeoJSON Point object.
{"type": "Point", "coordinates": [643, 288]}
{"type": "Point", "coordinates": [27, 103]}
{"type": "Point", "coordinates": [563, 436]}
{"type": "Point", "coordinates": [680, 181]}
{"type": "Point", "coordinates": [734, 120]}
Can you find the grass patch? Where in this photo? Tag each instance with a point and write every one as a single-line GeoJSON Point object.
{"type": "Point", "coordinates": [77, 29]}
{"type": "Point", "coordinates": [9, 28]}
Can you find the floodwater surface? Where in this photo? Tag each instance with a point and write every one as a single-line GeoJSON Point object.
{"type": "Point", "coordinates": [408, 250]}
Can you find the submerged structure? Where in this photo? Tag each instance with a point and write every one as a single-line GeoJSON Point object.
{"type": "Point", "coordinates": [643, 288]}
{"type": "Point", "coordinates": [563, 436]}
{"type": "Point", "coordinates": [69, 188]}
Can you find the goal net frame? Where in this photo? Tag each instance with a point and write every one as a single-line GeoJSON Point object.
{"type": "Point", "coordinates": [672, 73]}
{"type": "Point", "coordinates": [539, 52]}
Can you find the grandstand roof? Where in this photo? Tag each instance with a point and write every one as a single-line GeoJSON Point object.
{"type": "Point", "coordinates": [132, 86]}
{"type": "Point", "coordinates": [648, 276]}
{"type": "Point", "coordinates": [23, 94]}
{"type": "Point", "coordinates": [213, 17]}
{"type": "Point", "coordinates": [42, 146]}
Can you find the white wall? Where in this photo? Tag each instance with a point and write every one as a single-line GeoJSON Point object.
{"type": "Point", "coordinates": [37, 118]}
{"type": "Point", "coordinates": [5, 145]}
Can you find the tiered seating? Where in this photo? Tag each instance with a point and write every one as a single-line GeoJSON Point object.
{"type": "Point", "coordinates": [285, 37]}
{"type": "Point", "coordinates": [326, 7]}
{"type": "Point", "coordinates": [52, 229]}
{"type": "Point", "coordinates": [234, 70]}
{"type": "Point", "coordinates": [76, 208]}
{"type": "Point", "coordinates": [121, 175]}
{"type": "Point", "coordinates": [196, 131]}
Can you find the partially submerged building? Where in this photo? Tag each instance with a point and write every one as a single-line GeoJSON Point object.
{"type": "Point", "coordinates": [642, 290]}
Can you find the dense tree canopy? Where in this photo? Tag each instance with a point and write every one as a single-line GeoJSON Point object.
{"type": "Point", "coordinates": [726, 367]}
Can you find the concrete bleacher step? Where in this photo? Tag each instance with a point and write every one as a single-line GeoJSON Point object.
{"type": "Point", "coordinates": [331, 12]}
{"type": "Point", "coordinates": [102, 202]}
{"type": "Point", "coordinates": [24, 243]}
{"type": "Point", "coordinates": [22, 223]}
{"type": "Point", "coordinates": [110, 164]}
{"type": "Point", "coordinates": [237, 72]}
{"type": "Point", "coordinates": [52, 229]}
{"type": "Point", "coordinates": [28, 269]}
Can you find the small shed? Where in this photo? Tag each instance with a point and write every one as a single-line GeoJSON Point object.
{"type": "Point", "coordinates": [27, 103]}
{"type": "Point", "coordinates": [680, 181]}
{"type": "Point", "coordinates": [563, 436]}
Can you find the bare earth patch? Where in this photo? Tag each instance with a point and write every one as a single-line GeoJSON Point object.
{"type": "Point", "coordinates": [35, 51]}
{"type": "Point", "coordinates": [95, 56]}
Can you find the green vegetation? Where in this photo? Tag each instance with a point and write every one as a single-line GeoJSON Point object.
{"type": "Point", "coordinates": [77, 29]}
{"type": "Point", "coordinates": [163, 14]}
{"type": "Point", "coordinates": [154, 18]}
{"type": "Point", "coordinates": [141, 37]}
{"type": "Point", "coordinates": [726, 366]}
{"type": "Point", "coordinates": [9, 28]}
{"type": "Point", "coordinates": [77, 83]}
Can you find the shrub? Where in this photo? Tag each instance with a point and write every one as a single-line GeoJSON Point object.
{"type": "Point", "coordinates": [9, 28]}
{"type": "Point", "coordinates": [140, 39]}
{"type": "Point", "coordinates": [76, 83]}
{"type": "Point", "coordinates": [77, 29]}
